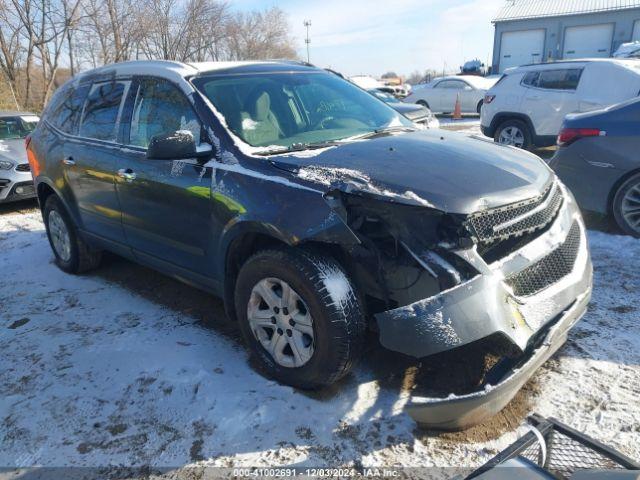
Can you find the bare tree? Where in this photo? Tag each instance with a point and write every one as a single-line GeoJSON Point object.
{"type": "Point", "coordinates": [44, 41]}
{"type": "Point", "coordinates": [117, 25]}
{"type": "Point", "coordinates": [11, 51]}
{"type": "Point", "coordinates": [184, 31]}
{"type": "Point", "coordinates": [259, 35]}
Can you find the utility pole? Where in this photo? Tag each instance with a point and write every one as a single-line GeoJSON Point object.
{"type": "Point", "coordinates": [307, 24]}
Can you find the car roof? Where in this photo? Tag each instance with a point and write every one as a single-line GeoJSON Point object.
{"type": "Point", "coordinates": [174, 70]}
{"type": "Point", "coordinates": [15, 113]}
{"type": "Point", "coordinates": [475, 80]}
{"type": "Point", "coordinates": [579, 62]}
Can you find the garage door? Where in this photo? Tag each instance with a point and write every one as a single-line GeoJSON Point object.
{"type": "Point", "coordinates": [589, 41]}
{"type": "Point", "coordinates": [636, 31]}
{"type": "Point", "coordinates": [521, 48]}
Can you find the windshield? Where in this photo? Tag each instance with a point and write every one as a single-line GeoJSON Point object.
{"type": "Point", "coordinates": [17, 127]}
{"type": "Point", "coordinates": [296, 109]}
{"type": "Point", "coordinates": [385, 97]}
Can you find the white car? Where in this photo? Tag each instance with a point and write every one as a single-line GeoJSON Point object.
{"type": "Point", "coordinates": [440, 95]}
{"type": "Point", "coordinates": [526, 107]}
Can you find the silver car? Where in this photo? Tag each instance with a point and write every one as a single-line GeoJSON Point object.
{"type": "Point", "coordinates": [16, 182]}
{"type": "Point", "coordinates": [441, 94]}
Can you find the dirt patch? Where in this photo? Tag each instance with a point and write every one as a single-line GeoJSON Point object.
{"type": "Point", "coordinates": [623, 309]}
{"type": "Point", "coordinates": [117, 429]}
{"type": "Point", "coordinates": [19, 323]}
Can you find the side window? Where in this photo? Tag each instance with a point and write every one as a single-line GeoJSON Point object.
{"type": "Point", "coordinates": [160, 108]}
{"type": "Point", "coordinates": [100, 115]}
{"type": "Point", "coordinates": [65, 113]}
{"type": "Point", "coordinates": [452, 84]}
{"type": "Point", "coordinates": [531, 79]}
{"type": "Point", "coordinates": [567, 79]}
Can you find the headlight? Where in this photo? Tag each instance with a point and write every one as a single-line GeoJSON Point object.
{"type": "Point", "coordinates": [5, 165]}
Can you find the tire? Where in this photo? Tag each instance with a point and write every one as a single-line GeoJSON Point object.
{"type": "Point", "coordinates": [479, 108]}
{"type": "Point", "coordinates": [77, 257]}
{"type": "Point", "coordinates": [522, 140]}
{"type": "Point", "coordinates": [337, 324]}
{"type": "Point", "coordinates": [424, 104]}
{"type": "Point", "coordinates": [626, 206]}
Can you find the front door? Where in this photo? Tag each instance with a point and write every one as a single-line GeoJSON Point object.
{"type": "Point", "coordinates": [166, 204]}
{"type": "Point", "coordinates": [448, 92]}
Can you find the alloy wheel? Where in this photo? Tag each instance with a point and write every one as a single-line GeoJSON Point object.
{"type": "Point", "coordinates": [60, 237]}
{"type": "Point", "coordinates": [281, 322]}
{"type": "Point", "coordinates": [630, 207]}
{"type": "Point", "coordinates": [511, 135]}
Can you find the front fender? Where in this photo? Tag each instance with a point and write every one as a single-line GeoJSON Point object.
{"type": "Point", "coordinates": [270, 202]}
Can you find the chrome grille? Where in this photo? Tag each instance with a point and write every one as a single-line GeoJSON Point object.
{"type": "Point", "coordinates": [23, 167]}
{"type": "Point", "coordinates": [548, 270]}
{"type": "Point", "coordinates": [516, 219]}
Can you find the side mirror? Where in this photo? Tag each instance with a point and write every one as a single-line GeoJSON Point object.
{"type": "Point", "coordinates": [177, 145]}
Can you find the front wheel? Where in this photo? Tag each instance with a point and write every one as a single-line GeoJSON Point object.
{"type": "Point", "coordinates": [514, 133]}
{"type": "Point", "coordinates": [300, 316]}
{"type": "Point", "coordinates": [626, 206]}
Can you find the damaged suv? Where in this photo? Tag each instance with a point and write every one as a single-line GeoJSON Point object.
{"type": "Point", "coordinates": [318, 213]}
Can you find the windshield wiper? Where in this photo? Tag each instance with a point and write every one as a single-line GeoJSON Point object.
{"type": "Point", "coordinates": [383, 130]}
{"type": "Point", "coordinates": [299, 147]}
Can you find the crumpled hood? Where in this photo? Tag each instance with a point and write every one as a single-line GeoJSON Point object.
{"type": "Point", "coordinates": [13, 150]}
{"type": "Point", "coordinates": [445, 170]}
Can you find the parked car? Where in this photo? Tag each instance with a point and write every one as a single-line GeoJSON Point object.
{"type": "Point", "coordinates": [416, 113]}
{"type": "Point", "coordinates": [628, 50]}
{"type": "Point", "coordinates": [598, 160]}
{"type": "Point", "coordinates": [440, 95]}
{"type": "Point", "coordinates": [399, 91]}
{"type": "Point", "coordinates": [473, 67]}
{"type": "Point", "coordinates": [527, 106]}
{"type": "Point", "coordinates": [366, 82]}
{"type": "Point", "coordinates": [15, 177]}
{"type": "Point", "coordinates": [316, 212]}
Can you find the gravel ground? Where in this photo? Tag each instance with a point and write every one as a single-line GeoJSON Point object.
{"type": "Point", "coordinates": [127, 367]}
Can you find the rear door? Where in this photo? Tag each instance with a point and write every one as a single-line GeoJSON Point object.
{"type": "Point", "coordinates": [166, 204]}
{"type": "Point", "coordinates": [446, 93]}
{"type": "Point", "coordinates": [549, 96]}
{"type": "Point", "coordinates": [90, 157]}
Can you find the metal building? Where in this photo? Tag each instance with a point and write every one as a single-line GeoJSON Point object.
{"type": "Point", "coordinates": [534, 31]}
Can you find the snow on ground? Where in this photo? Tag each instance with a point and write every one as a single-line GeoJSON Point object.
{"type": "Point", "coordinates": [124, 366]}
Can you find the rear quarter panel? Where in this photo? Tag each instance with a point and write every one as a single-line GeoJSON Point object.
{"type": "Point", "coordinates": [508, 97]}
{"type": "Point", "coordinates": [46, 152]}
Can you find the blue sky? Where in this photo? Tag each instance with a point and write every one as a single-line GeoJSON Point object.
{"type": "Point", "coordinates": [372, 37]}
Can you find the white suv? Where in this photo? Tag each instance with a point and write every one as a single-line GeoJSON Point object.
{"type": "Point", "coordinates": [528, 104]}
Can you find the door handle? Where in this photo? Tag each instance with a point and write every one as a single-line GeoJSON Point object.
{"type": "Point", "coordinates": [69, 161]}
{"type": "Point", "coordinates": [128, 174]}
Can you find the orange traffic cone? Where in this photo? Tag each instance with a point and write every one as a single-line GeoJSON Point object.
{"type": "Point", "coordinates": [457, 111]}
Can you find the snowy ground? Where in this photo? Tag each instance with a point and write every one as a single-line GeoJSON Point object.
{"type": "Point", "coordinates": [126, 367]}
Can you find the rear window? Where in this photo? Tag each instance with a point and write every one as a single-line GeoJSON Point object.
{"type": "Point", "coordinates": [101, 109]}
{"type": "Point", "coordinates": [65, 112]}
{"type": "Point", "coordinates": [561, 79]}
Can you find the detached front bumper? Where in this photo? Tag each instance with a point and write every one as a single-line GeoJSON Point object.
{"type": "Point", "coordinates": [507, 298]}
{"type": "Point", "coordinates": [460, 412]}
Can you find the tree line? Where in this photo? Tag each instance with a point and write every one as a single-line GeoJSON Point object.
{"type": "Point", "coordinates": [43, 42]}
